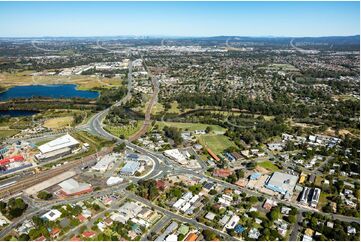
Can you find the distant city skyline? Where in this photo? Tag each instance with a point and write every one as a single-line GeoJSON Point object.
{"type": "Point", "coordinates": [196, 19]}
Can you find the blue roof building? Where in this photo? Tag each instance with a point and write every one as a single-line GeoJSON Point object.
{"type": "Point", "coordinates": [255, 176]}
{"type": "Point", "coordinates": [282, 183]}
{"type": "Point", "coordinates": [130, 167]}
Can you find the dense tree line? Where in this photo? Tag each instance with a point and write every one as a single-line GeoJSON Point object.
{"type": "Point", "coordinates": [174, 134]}
{"type": "Point", "coordinates": [109, 96]}
{"type": "Point", "coordinates": [14, 208]}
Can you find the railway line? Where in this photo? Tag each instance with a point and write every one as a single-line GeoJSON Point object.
{"type": "Point", "coordinates": [44, 175]}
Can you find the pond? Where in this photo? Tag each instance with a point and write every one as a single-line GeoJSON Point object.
{"type": "Point", "coordinates": [51, 91]}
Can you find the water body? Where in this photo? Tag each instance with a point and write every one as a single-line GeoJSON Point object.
{"type": "Point", "coordinates": [17, 113]}
{"type": "Point", "coordinates": [47, 91]}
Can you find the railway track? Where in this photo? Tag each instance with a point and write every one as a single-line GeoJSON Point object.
{"type": "Point", "coordinates": [37, 178]}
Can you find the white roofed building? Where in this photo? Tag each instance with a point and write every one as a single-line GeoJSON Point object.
{"type": "Point", "coordinates": [176, 155]}
{"type": "Point", "coordinates": [72, 187]}
{"type": "Point", "coordinates": [56, 148]}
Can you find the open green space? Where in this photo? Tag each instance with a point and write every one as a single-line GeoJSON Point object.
{"type": "Point", "coordinates": [190, 126]}
{"type": "Point", "coordinates": [126, 130]}
{"type": "Point", "coordinates": [217, 143]}
{"type": "Point", "coordinates": [268, 165]}
{"type": "Point", "coordinates": [174, 108]}
{"type": "Point", "coordinates": [6, 133]}
{"type": "Point", "coordinates": [323, 200]}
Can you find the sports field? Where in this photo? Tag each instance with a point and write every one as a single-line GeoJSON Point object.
{"type": "Point", "coordinates": [59, 123]}
{"type": "Point", "coordinates": [217, 143]}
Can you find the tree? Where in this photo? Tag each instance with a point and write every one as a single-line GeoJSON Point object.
{"type": "Point", "coordinates": [212, 192]}
{"type": "Point", "coordinates": [274, 214]}
{"type": "Point", "coordinates": [292, 219]}
{"type": "Point", "coordinates": [240, 173]}
{"type": "Point", "coordinates": [209, 235]}
{"type": "Point", "coordinates": [208, 129]}
{"type": "Point", "coordinates": [119, 148]}
{"type": "Point", "coordinates": [44, 195]}
{"type": "Point", "coordinates": [24, 237]}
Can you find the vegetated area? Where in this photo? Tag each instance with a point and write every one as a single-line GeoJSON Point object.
{"type": "Point", "coordinates": [4, 133]}
{"type": "Point", "coordinates": [268, 165]}
{"type": "Point", "coordinates": [190, 126]}
{"type": "Point", "coordinates": [124, 131]}
{"type": "Point", "coordinates": [59, 123]}
{"type": "Point", "coordinates": [242, 100]}
{"type": "Point", "coordinates": [24, 78]}
{"type": "Point", "coordinates": [14, 208]}
{"type": "Point", "coordinates": [217, 143]}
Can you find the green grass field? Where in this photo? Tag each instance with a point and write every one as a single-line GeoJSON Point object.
{"type": "Point", "coordinates": [174, 108]}
{"type": "Point", "coordinates": [217, 143]}
{"type": "Point", "coordinates": [127, 130]}
{"type": "Point", "coordinates": [190, 126]}
{"type": "Point", "coordinates": [6, 133]}
{"type": "Point", "coordinates": [268, 165]}
{"type": "Point", "coordinates": [323, 200]}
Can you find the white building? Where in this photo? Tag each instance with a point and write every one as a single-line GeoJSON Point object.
{"type": "Point", "coordinates": [72, 187]}
{"type": "Point", "coordinates": [59, 147]}
{"type": "Point", "coordinates": [104, 163]}
{"type": "Point", "coordinates": [114, 180]}
{"type": "Point", "coordinates": [232, 222]}
{"type": "Point", "coordinates": [176, 155]}
{"type": "Point", "coordinates": [52, 215]}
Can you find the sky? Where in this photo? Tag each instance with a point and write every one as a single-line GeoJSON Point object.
{"type": "Point", "coordinates": [293, 19]}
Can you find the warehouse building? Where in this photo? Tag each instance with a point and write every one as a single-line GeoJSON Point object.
{"type": "Point", "coordinates": [72, 187]}
{"type": "Point", "coordinates": [59, 147]}
{"type": "Point", "coordinates": [282, 183]}
{"type": "Point", "coordinates": [103, 164]}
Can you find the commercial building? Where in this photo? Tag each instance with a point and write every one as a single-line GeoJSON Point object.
{"type": "Point", "coordinates": [130, 168]}
{"type": "Point", "coordinates": [310, 196]}
{"type": "Point", "coordinates": [52, 215]}
{"type": "Point", "coordinates": [315, 197]}
{"type": "Point", "coordinates": [59, 147]}
{"type": "Point", "coordinates": [104, 163]}
{"type": "Point", "coordinates": [72, 187]}
{"type": "Point", "coordinates": [282, 183]}
{"type": "Point", "coordinates": [176, 155]}
{"type": "Point", "coordinates": [304, 195]}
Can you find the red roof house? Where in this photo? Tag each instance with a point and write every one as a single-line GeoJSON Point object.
{"type": "Point", "coordinates": [88, 234]}
{"type": "Point", "coordinates": [222, 172]}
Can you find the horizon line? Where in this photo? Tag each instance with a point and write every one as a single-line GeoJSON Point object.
{"type": "Point", "coordinates": [174, 36]}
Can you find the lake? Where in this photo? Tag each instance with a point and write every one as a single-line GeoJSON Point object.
{"type": "Point", "coordinates": [51, 91]}
{"type": "Point", "coordinates": [17, 113]}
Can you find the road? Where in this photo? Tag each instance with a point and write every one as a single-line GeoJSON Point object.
{"type": "Point", "coordinates": [296, 227]}
{"type": "Point", "coordinates": [154, 99]}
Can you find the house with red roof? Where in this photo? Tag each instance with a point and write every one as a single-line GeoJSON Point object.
{"type": "Point", "coordinates": [54, 233]}
{"type": "Point", "coordinates": [224, 173]}
{"type": "Point", "coordinates": [88, 234]}
{"type": "Point", "coordinates": [81, 218]}
{"type": "Point", "coordinates": [75, 238]}
{"type": "Point", "coordinates": [41, 238]}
